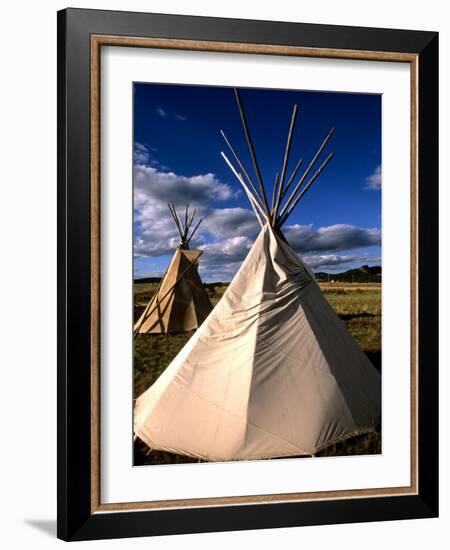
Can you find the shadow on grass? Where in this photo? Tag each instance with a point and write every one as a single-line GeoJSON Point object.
{"type": "Point", "coordinates": [143, 456]}
{"type": "Point", "coordinates": [350, 316]}
{"type": "Point", "coordinates": [365, 444]}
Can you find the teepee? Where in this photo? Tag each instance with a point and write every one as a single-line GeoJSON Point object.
{"type": "Point", "coordinates": [180, 303]}
{"type": "Point", "coordinates": [273, 371]}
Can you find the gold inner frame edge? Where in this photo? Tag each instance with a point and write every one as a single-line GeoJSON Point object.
{"type": "Point", "coordinates": [97, 41]}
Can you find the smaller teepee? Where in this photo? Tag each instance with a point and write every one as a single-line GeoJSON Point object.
{"type": "Point", "coordinates": [180, 303]}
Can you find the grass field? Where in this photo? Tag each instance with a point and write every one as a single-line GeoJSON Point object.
{"type": "Point", "coordinates": [357, 304]}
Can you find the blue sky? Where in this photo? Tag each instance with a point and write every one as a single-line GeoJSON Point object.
{"type": "Point", "coordinates": [177, 145]}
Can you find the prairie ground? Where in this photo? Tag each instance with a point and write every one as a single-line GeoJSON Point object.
{"type": "Point", "coordinates": [357, 304]}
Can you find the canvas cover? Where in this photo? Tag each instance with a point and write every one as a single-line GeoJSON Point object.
{"type": "Point", "coordinates": [273, 371]}
{"type": "Point", "coordinates": [178, 308]}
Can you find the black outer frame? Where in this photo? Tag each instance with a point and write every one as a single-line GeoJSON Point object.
{"type": "Point", "coordinates": [75, 521]}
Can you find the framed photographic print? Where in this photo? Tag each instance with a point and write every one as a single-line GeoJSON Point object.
{"type": "Point", "coordinates": [247, 274]}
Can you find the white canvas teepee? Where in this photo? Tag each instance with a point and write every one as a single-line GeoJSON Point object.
{"type": "Point", "coordinates": [180, 303]}
{"type": "Point", "coordinates": [273, 371]}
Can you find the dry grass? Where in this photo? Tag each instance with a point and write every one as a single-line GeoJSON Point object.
{"type": "Point", "coordinates": [357, 304]}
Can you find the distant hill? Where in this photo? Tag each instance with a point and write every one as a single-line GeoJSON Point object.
{"type": "Point", "coordinates": [148, 280]}
{"type": "Point", "coordinates": [158, 279]}
{"type": "Point", "coordinates": [363, 274]}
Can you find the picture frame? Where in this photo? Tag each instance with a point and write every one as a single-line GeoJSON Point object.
{"type": "Point", "coordinates": [81, 35]}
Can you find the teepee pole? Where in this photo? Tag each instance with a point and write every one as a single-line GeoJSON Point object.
{"type": "Point", "coordinates": [170, 290]}
{"type": "Point", "coordinates": [191, 219]}
{"type": "Point", "coordinates": [241, 166]}
{"type": "Point", "coordinates": [169, 206]}
{"type": "Point", "coordinates": [176, 219]}
{"type": "Point", "coordinates": [254, 206]}
{"type": "Point", "coordinates": [180, 225]}
{"type": "Point", "coordinates": [195, 229]}
{"type": "Point", "coordinates": [306, 172]}
{"type": "Point", "coordinates": [307, 186]}
{"type": "Point", "coordinates": [177, 222]}
{"type": "Point", "coordinates": [252, 151]}
{"type": "Point", "coordinates": [186, 221]}
{"type": "Point", "coordinates": [285, 162]}
{"type": "Point", "coordinates": [242, 182]}
{"type": "Point", "coordinates": [274, 193]}
{"type": "Point", "coordinates": [291, 179]}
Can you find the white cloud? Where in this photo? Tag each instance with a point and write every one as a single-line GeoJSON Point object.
{"type": "Point", "coordinates": [156, 184]}
{"type": "Point", "coordinates": [151, 183]}
{"type": "Point", "coordinates": [154, 188]}
{"type": "Point", "coordinates": [218, 273]}
{"type": "Point", "coordinates": [331, 261]}
{"type": "Point", "coordinates": [165, 114]}
{"type": "Point", "coordinates": [373, 182]}
{"type": "Point", "coordinates": [304, 239]}
{"type": "Point", "coordinates": [221, 260]}
{"type": "Point", "coordinates": [227, 251]}
{"type": "Point", "coordinates": [229, 222]}
{"type": "Point", "coordinates": [141, 154]}
{"type": "Point", "coordinates": [231, 230]}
